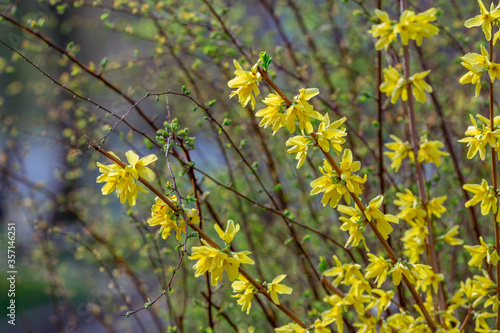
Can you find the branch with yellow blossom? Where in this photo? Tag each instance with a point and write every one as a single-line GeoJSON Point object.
{"type": "Point", "coordinates": [430, 244]}
{"type": "Point", "coordinates": [261, 289]}
{"type": "Point", "coordinates": [381, 238]}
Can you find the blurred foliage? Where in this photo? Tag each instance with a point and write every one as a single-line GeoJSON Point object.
{"type": "Point", "coordinates": [92, 258]}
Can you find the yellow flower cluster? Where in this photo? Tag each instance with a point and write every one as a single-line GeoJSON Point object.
{"type": "Point", "coordinates": [373, 212]}
{"type": "Point", "coordinates": [246, 84]}
{"type": "Point", "coordinates": [486, 20]}
{"type": "Point", "coordinates": [274, 288]}
{"type": "Point", "coordinates": [477, 138]}
{"type": "Point", "coordinates": [411, 26]}
{"type": "Point", "coordinates": [394, 85]}
{"type": "Point", "coordinates": [279, 115]}
{"type": "Point", "coordinates": [337, 186]}
{"type": "Point", "coordinates": [216, 261]}
{"type": "Point", "coordinates": [471, 293]}
{"type": "Point", "coordinates": [168, 219]}
{"type": "Point", "coordinates": [326, 135]}
{"type": "Point", "coordinates": [355, 224]}
{"type": "Point", "coordinates": [247, 290]}
{"type": "Point", "coordinates": [370, 302]}
{"type": "Point", "coordinates": [477, 64]}
{"type": "Point", "coordinates": [123, 180]}
{"type": "Point", "coordinates": [484, 194]}
{"type": "Point", "coordinates": [428, 151]}
{"type": "Point", "coordinates": [480, 252]}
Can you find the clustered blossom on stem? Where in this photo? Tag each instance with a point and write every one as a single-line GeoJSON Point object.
{"type": "Point", "coordinates": [123, 180]}
{"type": "Point", "coordinates": [473, 291]}
{"type": "Point", "coordinates": [477, 138]}
{"type": "Point", "coordinates": [394, 85]}
{"type": "Point", "coordinates": [216, 261]}
{"type": "Point", "coordinates": [484, 194]}
{"type": "Point", "coordinates": [477, 64]}
{"type": "Point", "coordinates": [168, 219]}
{"type": "Point", "coordinates": [246, 84]}
{"type": "Point", "coordinates": [410, 26]}
{"type": "Point", "coordinates": [428, 151]}
{"type": "Point", "coordinates": [486, 19]}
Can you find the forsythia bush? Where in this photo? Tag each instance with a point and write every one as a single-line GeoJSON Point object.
{"type": "Point", "coordinates": [373, 279]}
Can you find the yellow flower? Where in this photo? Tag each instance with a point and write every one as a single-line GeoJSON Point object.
{"type": "Point", "coordinates": [485, 19]}
{"type": "Point", "coordinates": [216, 261]}
{"type": "Point", "coordinates": [416, 27]}
{"type": "Point", "coordinates": [111, 173]}
{"type": "Point", "coordinates": [117, 178]}
{"type": "Point", "coordinates": [355, 225]}
{"type": "Point", "coordinates": [394, 85]}
{"type": "Point", "coordinates": [449, 237]}
{"type": "Point", "coordinates": [414, 241]}
{"type": "Point", "coordinates": [357, 301]}
{"type": "Point", "coordinates": [479, 252]}
{"type": "Point", "coordinates": [419, 86]}
{"type": "Point", "coordinates": [245, 83]}
{"type": "Point", "coordinates": [300, 145]}
{"type": "Point", "coordinates": [435, 207]}
{"type": "Point", "coordinates": [137, 167]}
{"type": "Point", "coordinates": [273, 114]}
{"type": "Point", "coordinates": [429, 151]}
{"type": "Point", "coordinates": [382, 302]}
{"type": "Point", "coordinates": [378, 269]}
{"type": "Point", "coordinates": [228, 235]}
{"type": "Point", "coordinates": [373, 211]}
{"type": "Point", "coordinates": [245, 300]}
{"type": "Point", "coordinates": [302, 110]}
{"type": "Point", "coordinates": [482, 193]}
{"type": "Point", "coordinates": [337, 271]}
{"type": "Point", "coordinates": [401, 150]}
{"type": "Point", "coordinates": [482, 324]}
{"type": "Point", "coordinates": [429, 278]}
{"type": "Point", "coordinates": [476, 64]}
{"type": "Point", "coordinates": [398, 271]}
{"type": "Point", "coordinates": [330, 134]}
{"type": "Point", "coordinates": [331, 184]}
{"type": "Point", "coordinates": [368, 324]}
{"type": "Point", "coordinates": [483, 284]}
{"type": "Point", "coordinates": [384, 31]}
{"type": "Point", "coordinates": [336, 311]}
{"type": "Point", "coordinates": [352, 274]}
{"type": "Point", "coordinates": [169, 220]}
{"type": "Point", "coordinates": [241, 285]}
{"type": "Point", "coordinates": [123, 179]}
{"type": "Point", "coordinates": [321, 326]}
{"type": "Point", "coordinates": [424, 28]}
{"type": "Point", "coordinates": [486, 121]}
{"type": "Point", "coordinates": [478, 139]}
{"type": "Point", "coordinates": [274, 288]}
{"type": "Point", "coordinates": [354, 183]}
{"type": "Point", "coordinates": [410, 206]}
{"type": "Point", "coordinates": [290, 328]}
